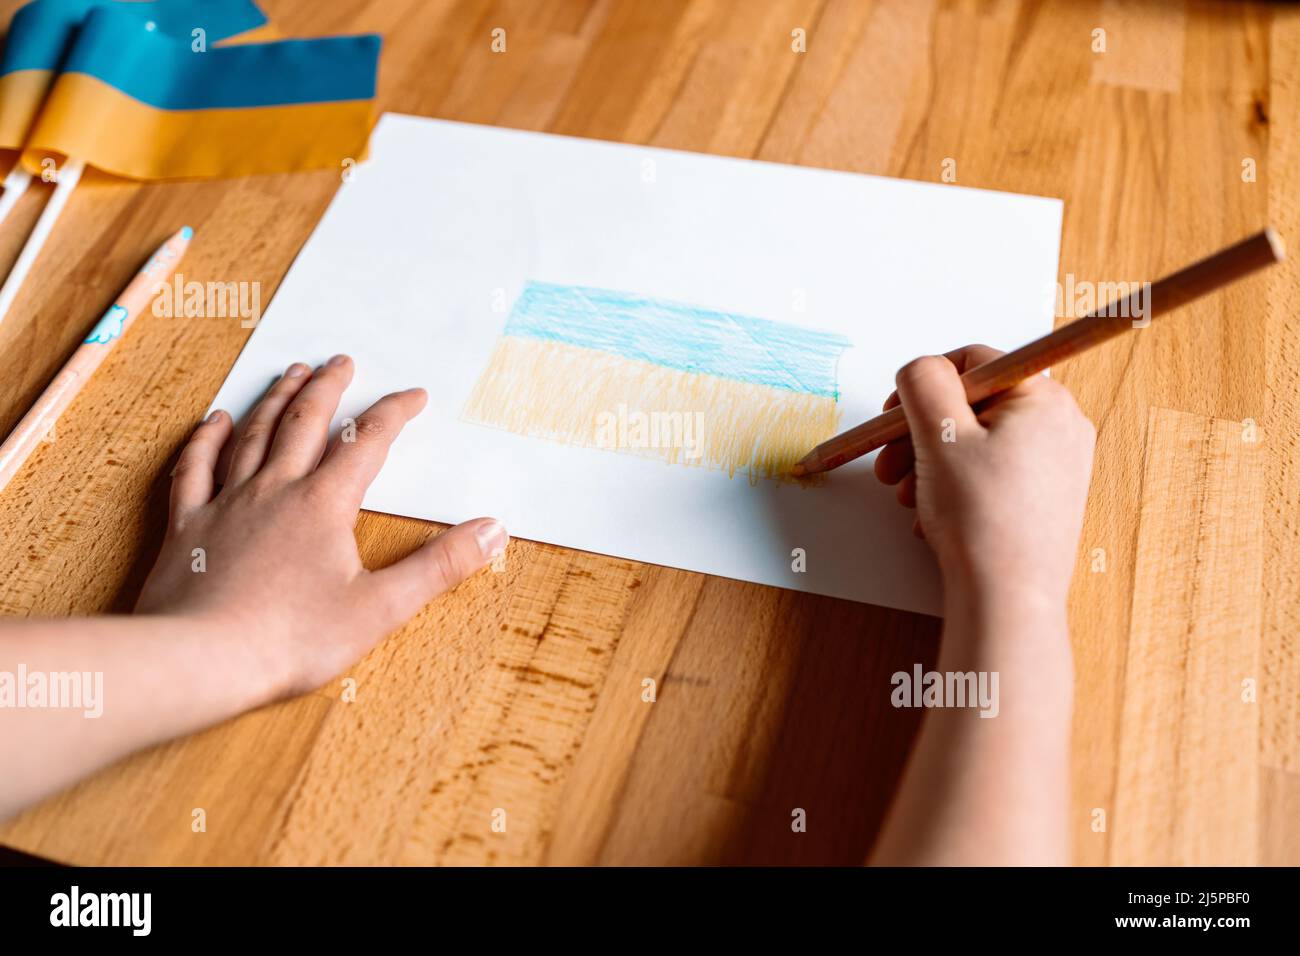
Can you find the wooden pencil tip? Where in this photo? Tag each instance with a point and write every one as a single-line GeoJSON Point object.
{"type": "Point", "coordinates": [809, 465]}
{"type": "Point", "coordinates": [1278, 246]}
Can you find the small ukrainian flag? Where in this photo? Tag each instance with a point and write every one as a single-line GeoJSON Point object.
{"type": "Point", "coordinates": [137, 90]}
{"type": "Point", "coordinates": [608, 369]}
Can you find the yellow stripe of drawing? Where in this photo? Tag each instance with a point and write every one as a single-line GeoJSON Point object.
{"type": "Point", "coordinates": [588, 397]}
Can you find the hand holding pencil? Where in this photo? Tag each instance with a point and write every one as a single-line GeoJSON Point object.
{"type": "Point", "coordinates": [999, 374]}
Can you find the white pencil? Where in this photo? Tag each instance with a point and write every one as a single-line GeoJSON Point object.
{"type": "Point", "coordinates": [69, 176]}
{"type": "Point", "coordinates": [15, 185]}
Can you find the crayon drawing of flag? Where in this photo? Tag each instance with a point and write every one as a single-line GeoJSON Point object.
{"type": "Point", "coordinates": [628, 373]}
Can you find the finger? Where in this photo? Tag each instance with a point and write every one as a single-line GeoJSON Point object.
{"type": "Point", "coordinates": [1034, 391]}
{"type": "Point", "coordinates": [255, 436]}
{"type": "Point", "coordinates": [895, 461]}
{"type": "Point", "coordinates": [969, 356]}
{"type": "Point", "coordinates": [934, 401]}
{"type": "Point", "coordinates": [304, 427]}
{"type": "Point", "coordinates": [440, 564]}
{"type": "Point", "coordinates": [906, 493]}
{"type": "Point", "coordinates": [965, 358]}
{"type": "Point", "coordinates": [356, 457]}
{"type": "Point", "coordinates": [192, 478]}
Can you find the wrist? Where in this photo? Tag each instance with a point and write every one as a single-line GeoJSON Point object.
{"type": "Point", "coordinates": [1008, 623]}
{"type": "Point", "coordinates": [239, 672]}
{"type": "Point", "coordinates": [996, 587]}
{"type": "Point", "coordinates": [1010, 600]}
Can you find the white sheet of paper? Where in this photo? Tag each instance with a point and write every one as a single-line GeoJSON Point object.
{"type": "Point", "coordinates": [414, 266]}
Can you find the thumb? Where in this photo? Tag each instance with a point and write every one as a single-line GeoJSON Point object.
{"type": "Point", "coordinates": [438, 565]}
{"type": "Point", "coordinates": [934, 401]}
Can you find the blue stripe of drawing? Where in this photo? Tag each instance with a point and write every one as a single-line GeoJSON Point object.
{"type": "Point", "coordinates": [678, 336]}
{"type": "Point", "coordinates": [160, 69]}
{"type": "Point", "coordinates": [42, 32]}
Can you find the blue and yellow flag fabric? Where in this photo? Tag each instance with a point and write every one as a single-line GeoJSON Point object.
{"type": "Point", "coordinates": [180, 89]}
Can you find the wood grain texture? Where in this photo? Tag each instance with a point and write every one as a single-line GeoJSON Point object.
{"type": "Point", "coordinates": [523, 692]}
{"type": "Point", "coordinates": [1188, 780]}
{"type": "Point", "coordinates": [1280, 706]}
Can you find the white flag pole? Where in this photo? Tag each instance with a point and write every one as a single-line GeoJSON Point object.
{"type": "Point", "coordinates": [68, 177]}
{"type": "Point", "coordinates": [15, 185]}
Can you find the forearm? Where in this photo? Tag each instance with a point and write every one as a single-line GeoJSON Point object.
{"type": "Point", "coordinates": [992, 790]}
{"type": "Point", "coordinates": [78, 693]}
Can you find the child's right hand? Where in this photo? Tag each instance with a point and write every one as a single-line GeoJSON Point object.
{"type": "Point", "coordinates": [999, 495]}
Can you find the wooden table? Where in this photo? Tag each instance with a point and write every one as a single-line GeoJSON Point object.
{"type": "Point", "coordinates": [522, 692]}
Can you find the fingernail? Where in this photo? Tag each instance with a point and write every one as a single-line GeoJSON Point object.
{"type": "Point", "coordinates": [295, 370]}
{"type": "Point", "coordinates": [492, 539]}
{"type": "Point", "coordinates": [337, 360]}
{"type": "Point", "coordinates": [214, 416]}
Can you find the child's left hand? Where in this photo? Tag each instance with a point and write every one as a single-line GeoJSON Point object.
{"type": "Point", "coordinates": [278, 567]}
